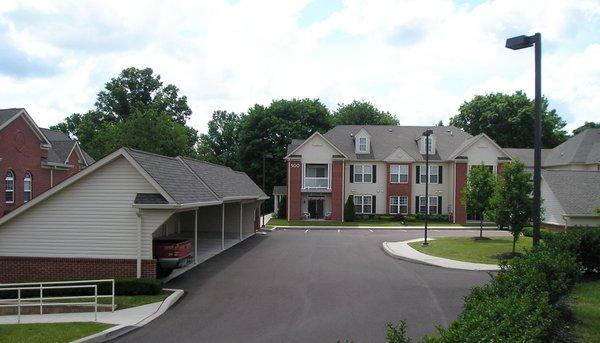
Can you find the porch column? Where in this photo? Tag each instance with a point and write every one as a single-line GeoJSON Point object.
{"type": "Point", "coordinates": [223, 228]}
{"type": "Point", "coordinates": [139, 245]}
{"type": "Point", "coordinates": [241, 220]}
{"type": "Point", "coordinates": [276, 205]}
{"type": "Point", "coordinates": [196, 236]}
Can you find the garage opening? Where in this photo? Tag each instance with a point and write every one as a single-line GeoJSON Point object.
{"type": "Point", "coordinates": [191, 237]}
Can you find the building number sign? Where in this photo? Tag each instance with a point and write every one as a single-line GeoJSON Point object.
{"type": "Point", "coordinates": [295, 165]}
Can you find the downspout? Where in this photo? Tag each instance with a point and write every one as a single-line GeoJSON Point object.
{"type": "Point", "coordinates": [51, 178]}
{"type": "Point", "coordinates": [139, 244]}
{"type": "Point", "coordinates": [343, 188]}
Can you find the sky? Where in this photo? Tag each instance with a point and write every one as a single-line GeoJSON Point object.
{"type": "Point", "coordinates": [419, 60]}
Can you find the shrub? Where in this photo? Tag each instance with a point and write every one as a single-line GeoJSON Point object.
{"type": "Point", "coordinates": [349, 214]}
{"type": "Point", "coordinates": [433, 217]}
{"type": "Point", "coordinates": [133, 286]}
{"type": "Point", "coordinates": [583, 244]}
{"type": "Point", "coordinates": [282, 210]}
{"type": "Point", "coordinates": [397, 333]}
{"type": "Point", "coordinates": [545, 234]}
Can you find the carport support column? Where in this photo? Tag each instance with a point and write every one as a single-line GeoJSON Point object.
{"type": "Point", "coordinates": [223, 228]}
{"type": "Point", "coordinates": [139, 244]}
{"type": "Point", "coordinates": [241, 220]}
{"type": "Point", "coordinates": [196, 236]}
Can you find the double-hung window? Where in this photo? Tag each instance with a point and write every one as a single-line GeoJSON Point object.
{"type": "Point", "coordinates": [399, 173]}
{"type": "Point", "coordinates": [398, 205]}
{"type": "Point", "coordinates": [433, 174]}
{"type": "Point", "coordinates": [9, 187]}
{"type": "Point", "coordinates": [27, 187]}
{"type": "Point", "coordinates": [363, 204]}
{"type": "Point", "coordinates": [363, 173]}
{"type": "Point", "coordinates": [432, 205]}
{"type": "Point", "coordinates": [362, 144]}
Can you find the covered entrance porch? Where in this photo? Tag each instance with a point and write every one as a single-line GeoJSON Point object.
{"type": "Point", "coordinates": [316, 206]}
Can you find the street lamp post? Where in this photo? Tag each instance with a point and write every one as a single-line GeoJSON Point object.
{"type": "Point", "coordinates": [265, 156]}
{"type": "Point", "coordinates": [517, 43]}
{"type": "Point", "coordinates": [426, 134]}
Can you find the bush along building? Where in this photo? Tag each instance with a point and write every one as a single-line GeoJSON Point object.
{"type": "Point", "coordinates": [33, 159]}
{"type": "Point", "coordinates": [383, 169]}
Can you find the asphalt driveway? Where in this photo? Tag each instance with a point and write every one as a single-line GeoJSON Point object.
{"type": "Point", "coordinates": [315, 286]}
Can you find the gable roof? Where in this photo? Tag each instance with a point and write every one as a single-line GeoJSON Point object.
{"type": "Point", "coordinates": [471, 141]}
{"type": "Point", "coordinates": [385, 139]}
{"type": "Point", "coordinates": [8, 115]}
{"type": "Point", "coordinates": [526, 155]}
{"type": "Point", "coordinates": [317, 133]}
{"type": "Point", "coordinates": [582, 148]}
{"type": "Point", "coordinates": [577, 191]}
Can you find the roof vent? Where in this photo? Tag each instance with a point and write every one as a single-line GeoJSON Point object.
{"type": "Point", "coordinates": [351, 135]}
{"type": "Point", "coordinates": [389, 130]}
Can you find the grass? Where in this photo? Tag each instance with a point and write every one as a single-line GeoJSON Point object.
{"type": "Point", "coordinates": [362, 223]}
{"type": "Point", "coordinates": [471, 250]}
{"type": "Point", "coordinates": [585, 304]}
{"type": "Point", "coordinates": [121, 301]}
{"type": "Point", "coordinates": [49, 332]}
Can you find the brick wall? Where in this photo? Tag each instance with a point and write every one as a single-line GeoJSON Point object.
{"type": "Point", "coordinates": [460, 213]}
{"type": "Point", "coordinates": [398, 189]}
{"type": "Point", "coordinates": [28, 269]}
{"type": "Point", "coordinates": [61, 175]}
{"type": "Point", "coordinates": [337, 190]}
{"type": "Point", "coordinates": [21, 152]}
{"type": "Point", "coordinates": [294, 189]}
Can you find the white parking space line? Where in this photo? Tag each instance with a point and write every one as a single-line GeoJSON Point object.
{"type": "Point", "coordinates": [306, 231]}
{"type": "Point", "coordinates": [370, 230]}
{"type": "Point", "coordinates": [404, 231]}
{"type": "Point", "coordinates": [436, 230]}
{"type": "Point", "coordinates": [338, 230]}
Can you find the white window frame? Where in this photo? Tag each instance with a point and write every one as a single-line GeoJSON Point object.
{"type": "Point", "coordinates": [399, 201]}
{"type": "Point", "coordinates": [431, 145]}
{"type": "Point", "coordinates": [363, 147]}
{"type": "Point", "coordinates": [433, 171]}
{"type": "Point", "coordinates": [362, 204]}
{"type": "Point", "coordinates": [9, 187]}
{"type": "Point", "coordinates": [304, 173]}
{"type": "Point", "coordinates": [362, 173]}
{"type": "Point", "coordinates": [27, 186]}
{"type": "Point", "coordinates": [398, 170]}
{"type": "Point", "coordinates": [428, 204]}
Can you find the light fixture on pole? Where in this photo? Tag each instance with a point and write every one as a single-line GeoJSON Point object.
{"type": "Point", "coordinates": [517, 43]}
{"type": "Point", "coordinates": [265, 156]}
{"type": "Point", "coordinates": [427, 145]}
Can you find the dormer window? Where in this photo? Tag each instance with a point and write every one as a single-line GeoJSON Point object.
{"type": "Point", "coordinates": [431, 145]}
{"type": "Point", "coordinates": [362, 144]}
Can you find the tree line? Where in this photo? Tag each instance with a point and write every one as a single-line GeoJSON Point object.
{"type": "Point", "coordinates": [136, 109]}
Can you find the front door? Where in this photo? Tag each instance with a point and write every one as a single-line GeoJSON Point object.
{"type": "Point", "coordinates": [315, 208]}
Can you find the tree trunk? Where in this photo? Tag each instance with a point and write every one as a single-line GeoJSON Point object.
{"type": "Point", "coordinates": [514, 242]}
{"type": "Point", "coordinates": [481, 228]}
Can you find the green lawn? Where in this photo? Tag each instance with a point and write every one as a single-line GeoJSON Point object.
{"type": "Point", "coordinates": [49, 333]}
{"type": "Point", "coordinates": [470, 250]}
{"type": "Point", "coordinates": [363, 222]}
{"type": "Point", "coordinates": [585, 303]}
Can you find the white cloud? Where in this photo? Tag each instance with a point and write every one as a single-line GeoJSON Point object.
{"type": "Point", "coordinates": [417, 59]}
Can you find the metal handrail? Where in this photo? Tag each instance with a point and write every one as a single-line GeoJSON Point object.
{"type": "Point", "coordinates": [20, 302]}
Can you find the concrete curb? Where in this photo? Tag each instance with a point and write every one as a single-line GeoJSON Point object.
{"type": "Point", "coordinates": [407, 228]}
{"type": "Point", "coordinates": [120, 330]}
{"type": "Point", "coordinates": [402, 251]}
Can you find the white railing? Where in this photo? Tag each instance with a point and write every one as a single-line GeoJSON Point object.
{"type": "Point", "coordinates": [38, 301]}
{"type": "Point", "coordinates": [316, 182]}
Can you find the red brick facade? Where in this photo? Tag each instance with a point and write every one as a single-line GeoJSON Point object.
{"type": "Point", "coordinates": [398, 189]}
{"type": "Point", "coordinates": [460, 213]}
{"type": "Point", "coordinates": [30, 269]}
{"type": "Point", "coordinates": [337, 190]}
{"type": "Point", "coordinates": [294, 189]}
{"type": "Point", "coordinates": [21, 151]}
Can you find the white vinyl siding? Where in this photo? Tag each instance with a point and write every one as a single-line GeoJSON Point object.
{"type": "Point", "coordinates": [92, 217]}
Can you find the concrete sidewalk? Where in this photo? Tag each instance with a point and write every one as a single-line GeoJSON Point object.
{"type": "Point", "coordinates": [362, 227]}
{"type": "Point", "coordinates": [403, 251]}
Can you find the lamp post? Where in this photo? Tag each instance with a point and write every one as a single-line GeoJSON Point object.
{"type": "Point", "coordinates": [517, 43]}
{"type": "Point", "coordinates": [426, 134]}
{"type": "Point", "coordinates": [265, 156]}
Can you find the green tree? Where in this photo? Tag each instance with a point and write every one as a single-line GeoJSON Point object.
{"type": "Point", "coordinates": [220, 143]}
{"type": "Point", "coordinates": [585, 126]}
{"type": "Point", "coordinates": [268, 130]}
{"type": "Point", "coordinates": [509, 119]}
{"type": "Point", "coordinates": [478, 192]}
{"type": "Point", "coordinates": [361, 113]}
{"type": "Point", "coordinates": [122, 106]}
{"type": "Point", "coordinates": [349, 210]}
{"type": "Point", "coordinates": [440, 123]}
{"type": "Point", "coordinates": [511, 202]}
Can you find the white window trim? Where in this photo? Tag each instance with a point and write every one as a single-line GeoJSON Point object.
{"type": "Point", "coordinates": [362, 173]}
{"type": "Point", "coordinates": [398, 197]}
{"type": "Point", "coordinates": [423, 172]}
{"type": "Point", "coordinates": [399, 173]}
{"type": "Point", "coordinates": [305, 166]}
{"type": "Point", "coordinates": [362, 203]}
{"type": "Point", "coordinates": [428, 204]}
{"type": "Point", "coordinates": [26, 178]}
{"type": "Point", "coordinates": [431, 145]}
{"type": "Point", "coordinates": [6, 190]}
{"type": "Point", "coordinates": [366, 145]}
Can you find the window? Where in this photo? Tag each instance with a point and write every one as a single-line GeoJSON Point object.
{"type": "Point", "coordinates": [431, 146]}
{"type": "Point", "coordinates": [433, 174]}
{"type": "Point", "coordinates": [362, 144]}
{"type": "Point", "coordinates": [27, 187]}
{"type": "Point", "coordinates": [433, 204]}
{"type": "Point", "coordinates": [363, 204]}
{"type": "Point", "coordinates": [363, 173]}
{"type": "Point", "coordinates": [316, 176]}
{"type": "Point", "coordinates": [399, 173]}
{"type": "Point", "coordinates": [9, 187]}
{"type": "Point", "coordinates": [398, 205]}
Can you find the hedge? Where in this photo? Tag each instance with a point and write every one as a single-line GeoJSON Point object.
{"type": "Point", "coordinates": [123, 286]}
{"type": "Point", "coordinates": [545, 234]}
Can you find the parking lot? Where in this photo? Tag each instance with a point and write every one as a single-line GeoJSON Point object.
{"type": "Point", "coordinates": [311, 286]}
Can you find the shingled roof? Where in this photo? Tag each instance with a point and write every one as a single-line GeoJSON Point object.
{"type": "Point", "coordinates": [577, 191]}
